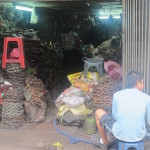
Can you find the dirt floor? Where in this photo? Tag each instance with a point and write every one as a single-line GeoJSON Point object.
{"type": "Point", "coordinates": [30, 136]}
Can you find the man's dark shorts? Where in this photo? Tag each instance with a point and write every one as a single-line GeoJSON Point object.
{"type": "Point", "coordinates": [107, 122]}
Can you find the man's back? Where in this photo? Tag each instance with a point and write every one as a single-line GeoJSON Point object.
{"type": "Point", "coordinates": [129, 109]}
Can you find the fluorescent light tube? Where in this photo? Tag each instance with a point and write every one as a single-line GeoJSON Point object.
{"type": "Point", "coordinates": [103, 17]}
{"type": "Point", "coordinates": [23, 8]}
{"type": "Point", "coordinates": [116, 17]}
{"type": "Point", "coordinates": [106, 17]}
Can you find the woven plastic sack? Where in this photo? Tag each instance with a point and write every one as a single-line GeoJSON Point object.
{"type": "Point", "coordinates": [67, 93]}
{"type": "Point", "coordinates": [34, 17]}
{"type": "Point", "coordinates": [14, 53]}
{"type": "Point", "coordinates": [73, 101]}
{"type": "Point", "coordinates": [73, 77]}
{"type": "Point", "coordinates": [80, 110]}
{"type": "Point", "coordinates": [113, 69]}
{"type": "Point", "coordinates": [90, 75]}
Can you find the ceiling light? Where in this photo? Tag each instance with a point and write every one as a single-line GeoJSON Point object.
{"type": "Point", "coordinates": [103, 17]}
{"type": "Point", "coordinates": [106, 17]}
{"type": "Point", "coordinates": [116, 17]}
{"type": "Point", "coordinates": [24, 8]}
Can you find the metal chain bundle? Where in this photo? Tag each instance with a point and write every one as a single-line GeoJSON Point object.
{"type": "Point", "coordinates": [12, 121]}
{"type": "Point", "coordinates": [36, 88]}
{"type": "Point", "coordinates": [46, 61]}
{"type": "Point", "coordinates": [12, 108]}
{"type": "Point", "coordinates": [35, 106]}
{"type": "Point", "coordinates": [103, 92]}
{"type": "Point", "coordinates": [14, 95]}
{"type": "Point", "coordinates": [17, 79]}
{"type": "Point", "coordinates": [31, 80]}
{"type": "Point", "coordinates": [13, 68]}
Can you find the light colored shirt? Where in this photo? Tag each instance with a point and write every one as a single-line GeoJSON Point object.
{"type": "Point", "coordinates": [130, 109]}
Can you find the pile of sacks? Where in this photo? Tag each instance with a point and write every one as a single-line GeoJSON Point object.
{"type": "Point", "coordinates": [71, 105]}
{"type": "Point", "coordinates": [84, 96]}
{"type": "Point", "coordinates": [113, 69]}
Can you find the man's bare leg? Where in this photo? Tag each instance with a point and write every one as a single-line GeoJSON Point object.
{"type": "Point", "coordinates": [98, 114]}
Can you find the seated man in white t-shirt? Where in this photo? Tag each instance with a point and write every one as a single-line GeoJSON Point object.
{"type": "Point", "coordinates": [130, 112]}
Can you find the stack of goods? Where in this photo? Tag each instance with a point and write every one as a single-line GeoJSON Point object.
{"type": "Point", "coordinates": [111, 49]}
{"type": "Point", "coordinates": [35, 106]}
{"type": "Point", "coordinates": [12, 108]}
{"type": "Point", "coordinates": [46, 60]}
{"type": "Point", "coordinates": [103, 92]}
{"type": "Point", "coordinates": [42, 59]}
{"type": "Point", "coordinates": [79, 83]}
{"type": "Point", "coordinates": [51, 66]}
{"type": "Point", "coordinates": [71, 107]}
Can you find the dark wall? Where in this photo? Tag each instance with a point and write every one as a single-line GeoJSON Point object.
{"type": "Point", "coordinates": [54, 22]}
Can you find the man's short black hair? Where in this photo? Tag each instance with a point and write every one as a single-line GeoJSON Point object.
{"type": "Point", "coordinates": [132, 78]}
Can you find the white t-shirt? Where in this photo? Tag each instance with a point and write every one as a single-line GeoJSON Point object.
{"type": "Point", "coordinates": [130, 109]}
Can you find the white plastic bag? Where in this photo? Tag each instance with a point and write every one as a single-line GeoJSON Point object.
{"type": "Point", "coordinates": [34, 17]}
{"type": "Point", "coordinates": [73, 101]}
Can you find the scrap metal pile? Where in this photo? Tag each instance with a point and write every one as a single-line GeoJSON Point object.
{"type": "Point", "coordinates": [12, 109]}
{"type": "Point", "coordinates": [35, 106]}
{"type": "Point", "coordinates": [102, 93]}
{"type": "Point", "coordinates": [43, 60]}
{"type": "Point", "coordinates": [111, 49]}
{"type": "Point", "coordinates": [46, 60]}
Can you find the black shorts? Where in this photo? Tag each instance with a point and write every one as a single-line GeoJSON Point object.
{"type": "Point", "coordinates": [107, 122]}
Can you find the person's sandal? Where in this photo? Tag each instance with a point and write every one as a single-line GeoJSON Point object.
{"type": "Point", "coordinates": [95, 138]}
{"type": "Point", "coordinates": [103, 146]}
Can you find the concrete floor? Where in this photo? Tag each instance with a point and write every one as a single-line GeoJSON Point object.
{"type": "Point", "coordinates": [28, 136]}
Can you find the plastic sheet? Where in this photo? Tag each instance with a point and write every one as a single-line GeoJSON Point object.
{"type": "Point", "coordinates": [113, 69]}
{"type": "Point", "coordinates": [80, 110]}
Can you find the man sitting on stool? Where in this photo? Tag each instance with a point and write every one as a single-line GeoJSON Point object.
{"type": "Point", "coordinates": [130, 112]}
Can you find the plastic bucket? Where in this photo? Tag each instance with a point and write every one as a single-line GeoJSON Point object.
{"type": "Point", "coordinates": [90, 125]}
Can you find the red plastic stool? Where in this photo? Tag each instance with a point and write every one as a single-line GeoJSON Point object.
{"type": "Point", "coordinates": [20, 60]}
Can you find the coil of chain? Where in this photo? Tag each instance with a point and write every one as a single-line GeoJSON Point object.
{"type": "Point", "coordinates": [13, 95]}
{"type": "Point", "coordinates": [12, 109]}
{"type": "Point", "coordinates": [17, 79]}
{"type": "Point", "coordinates": [35, 87]}
{"type": "Point", "coordinates": [13, 68]}
{"type": "Point", "coordinates": [103, 92]}
{"type": "Point", "coordinates": [15, 121]}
